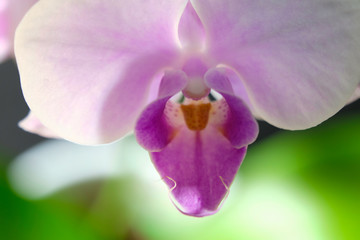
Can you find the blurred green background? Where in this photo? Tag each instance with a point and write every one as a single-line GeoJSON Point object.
{"type": "Point", "coordinates": [292, 185]}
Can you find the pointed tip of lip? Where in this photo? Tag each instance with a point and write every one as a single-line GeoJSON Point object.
{"type": "Point", "coordinates": [195, 211]}
{"type": "Point", "coordinates": [200, 214]}
{"type": "Point", "coordinates": [191, 202]}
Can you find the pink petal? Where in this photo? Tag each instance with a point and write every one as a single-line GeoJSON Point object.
{"type": "Point", "coordinates": [4, 31]}
{"type": "Point", "coordinates": [87, 69]}
{"type": "Point", "coordinates": [32, 124]}
{"type": "Point", "coordinates": [239, 88]}
{"type": "Point", "coordinates": [151, 130]}
{"type": "Point", "coordinates": [355, 96]}
{"type": "Point", "coordinates": [11, 13]}
{"type": "Point", "coordinates": [241, 128]}
{"type": "Point", "coordinates": [191, 31]}
{"type": "Point", "coordinates": [198, 167]}
{"type": "Point", "coordinates": [298, 59]}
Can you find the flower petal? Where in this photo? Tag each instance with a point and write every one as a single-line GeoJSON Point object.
{"type": "Point", "coordinates": [198, 167]}
{"type": "Point", "coordinates": [191, 31]}
{"type": "Point", "coordinates": [151, 130]}
{"type": "Point", "coordinates": [4, 31]}
{"type": "Point", "coordinates": [239, 88]}
{"type": "Point", "coordinates": [86, 70]}
{"type": "Point", "coordinates": [11, 12]}
{"type": "Point", "coordinates": [298, 59]}
{"type": "Point", "coordinates": [355, 96]}
{"type": "Point", "coordinates": [240, 128]}
{"type": "Point", "coordinates": [32, 124]}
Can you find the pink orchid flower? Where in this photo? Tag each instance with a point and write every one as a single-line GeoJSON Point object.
{"type": "Point", "coordinates": [11, 12]}
{"type": "Point", "coordinates": [93, 70]}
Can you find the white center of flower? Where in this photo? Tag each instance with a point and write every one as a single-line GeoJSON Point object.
{"type": "Point", "coordinates": [196, 88]}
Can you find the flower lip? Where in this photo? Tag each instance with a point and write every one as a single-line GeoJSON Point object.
{"type": "Point", "coordinates": [197, 146]}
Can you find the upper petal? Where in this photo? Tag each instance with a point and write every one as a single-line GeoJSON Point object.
{"type": "Point", "coordinates": [298, 59]}
{"type": "Point", "coordinates": [86, 70]}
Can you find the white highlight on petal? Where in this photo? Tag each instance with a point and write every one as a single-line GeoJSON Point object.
{"type": "Point", "coordinates": [3, 5]}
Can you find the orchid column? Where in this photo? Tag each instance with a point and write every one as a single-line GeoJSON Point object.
{"type": "Point", "coordinates": [94, 70]}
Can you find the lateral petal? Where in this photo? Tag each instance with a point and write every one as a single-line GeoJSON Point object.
{"type": "Point", "coordinates": [152, 130]}
{"type": "Point", "coordinates": [240, 126]}
{"type": "Point", "coordinates": [298, 59]}
{"type": "Point", "coordinates": [86, 70]}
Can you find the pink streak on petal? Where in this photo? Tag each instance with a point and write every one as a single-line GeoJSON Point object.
{"type": "Point", "coordinates": [191, 30]}
{"type": "Point", "coordinates": [196, 162]}
{"type": "Point", "coordinates": [32, 124]}
{"type": "Point", "coordinates": [152, 131]}
{"type": "Point", "coordinates": [86, 71]}
{"type": "Point", "coordinates": [298, 59]}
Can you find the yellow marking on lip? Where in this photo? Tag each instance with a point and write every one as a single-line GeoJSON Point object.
{"type": "Point", "coordinates": [196, 115]}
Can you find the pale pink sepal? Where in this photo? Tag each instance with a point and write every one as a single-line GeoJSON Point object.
{"type": "Point", "coordinates": [32, 124]}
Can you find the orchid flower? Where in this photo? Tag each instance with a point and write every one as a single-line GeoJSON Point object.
{"type": "Point", "coordinates": [92, 71]}
{"type": "Point", "coordinates": [11, 12]}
